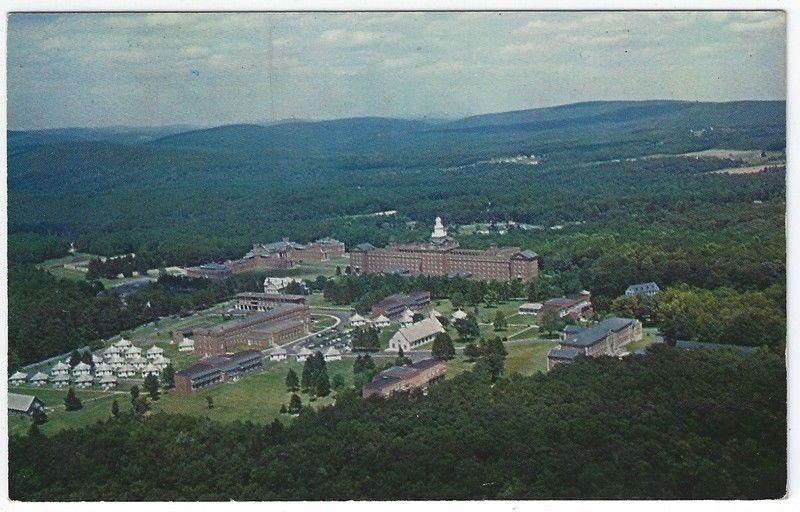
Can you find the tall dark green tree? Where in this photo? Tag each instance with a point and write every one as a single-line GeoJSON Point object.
{"type": "Point", "coordinates": [292, 381]}
{"type": "Point", "coordinates": [295, 404]}
{"type": "Point", "coordinates": [443, 346]}
{"type": "Point", "coordinates": [151, 385]}
{"type": "Point", "coordinates": [168, 376]}
{"type": "Point", "coordinates": [71, 401]}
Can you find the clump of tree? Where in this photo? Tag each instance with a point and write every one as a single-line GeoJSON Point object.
{"type": "Point", "coordinates": [364, 370]}
{"type": "Point", "coordinates": [467, 328]}
{"type": "Point", "coordinates": [168, 376]}
{"type": "Point", "coordinates": [314, 378]}
{"type": "Point", "coordinates": [151, 385]}
{"type": "Point", "coordinates": [71, 401]}
{"type": "Point", "coordinates": [366, 338]}
{"type": "Point", "coordinates": [292, 381]}
{"type": "Point", "coordinates": [442, 346]}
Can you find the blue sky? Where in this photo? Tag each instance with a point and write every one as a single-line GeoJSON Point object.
{"type": "Point", "coordinates": [211, 69]}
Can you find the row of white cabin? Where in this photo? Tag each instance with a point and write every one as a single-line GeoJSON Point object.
{"type": "Point", "coordinates": [405, 320]}
{"type": "Point", "coordinates": [39, 379]}
{"type": "Point", "coordinates": [280, 354]}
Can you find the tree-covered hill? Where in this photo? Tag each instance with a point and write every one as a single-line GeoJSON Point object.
{"type": "Point", "coordinates": [668, 425]}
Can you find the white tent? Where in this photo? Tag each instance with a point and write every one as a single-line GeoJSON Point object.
{"type": "Point", "coordinates": [108, 382]}
{"type": "Point", "coordinates": [150, 369]}
{"type": "Point", "coordinates": [103, 369]}
{"type": "Point", "coordinates": [60, 369]}
{"type": "Point", "coordinates": [381, 321]}
{"type": "Point", "coordinates": [331, 354]}
{"type": "Point", "coordinates": [277, 354]}
{"type": "Point", "coordinates": [84, 381]}
{"type": "Point", "coordinates": [81, 369]}
{"type": "Point", "coordinates": [357, 320]}
{"type": "Point", "coordinates": [39, 379]}
{"type": "Point", "coordinates": [123, 344]}
{"type": "Point", "coordinates": [303, 354]}
{"type": "Point", "coordinates": [60, 381]}
{"type": "Point", "coordinates": [154, 351]}
{"type": "Point", "coordinates": [458, 315]}
{"type": "Point", "coordinates": [133, 352]}
{"type": "Point", "coordinates": [18, 378]}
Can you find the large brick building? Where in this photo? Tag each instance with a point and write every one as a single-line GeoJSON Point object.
{"type": "Point", "coordinates": [214, 369]}
{"type": "Point", "coordinates": [576, 307]}
{"type": "Point", "coordinates": [418, 375]}
{"type": "Point", "coordinates": [608, 337]}
{"type": "Point", "coordinates": [261, 329]}
{"type": "Point", "coordinates": [321, 250]}
{"type": "Point", "coordinates": [441, 256]}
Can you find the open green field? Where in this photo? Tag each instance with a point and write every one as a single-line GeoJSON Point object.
{"type": "Point", "coordinates": [56, 268]}
{"type": "Point", "coordinates": [519, 326]}
{"type": "Point", "coordinates": [524, 359]}
{"type": "Point", "coordinates": [254, 397]}
{"type": "Point", "coordinates": [322, 322]}
{"type": "Point", "coordinates": [646, 341]}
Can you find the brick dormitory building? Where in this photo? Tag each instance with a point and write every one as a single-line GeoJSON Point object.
{"type": "Point", "coordinates": [280, 255]}
{"type": "Point", "coordinates": [441, 256]}
{"type": "Point", "coordinates": [214, 369]}
{"type": "Point", "coordinates": [418, 375]}
{"type": "Point", "coordinates": [284, 322]}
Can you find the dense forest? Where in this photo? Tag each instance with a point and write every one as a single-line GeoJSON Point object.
{"type": "Point", "coordinates": [602, 429]}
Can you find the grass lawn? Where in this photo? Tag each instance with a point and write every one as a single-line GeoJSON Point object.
{"type": "Point", "coordinates": [527, 359]}
{"type": "Point", "coordinates": [386, 334]}
{"type": "Point", "coordinates": [646, 341]}
{"type": "Point", "coordinates": [96, 406]}
{"type": "Point", "coordinates": [317, 300]}
{"type": "Point", "coordinates": [321, 322]}
{"type": "Point", "coordinates": [255, 397]}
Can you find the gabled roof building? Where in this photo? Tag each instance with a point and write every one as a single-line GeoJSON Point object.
{"type": "Point", "coordinates": [414, 335]}
{"type": "Point", "coordinates": [642, 289]}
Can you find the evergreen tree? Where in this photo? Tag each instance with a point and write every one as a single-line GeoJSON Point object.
{"type": "Point", "coordinates": [292, 382]}
{"type": "Point", "coordinates": [295, 404]}
{"type": "Point", "coordinates": [86, 357]}
{"type": "Point", "coordinates": [323, 383]}
{"type": "Point", "coordinates": [338, 382]}
{"type": "Point", "coordinates": [71, 401]}
{"type": "Point", "coordinates": [467, 327]}
{"type": "Point", "coordinates": [500, 323]}
{"type": "Point", "coordinates": [471, 351]}
{"type": "Point", "coordinates": [283, 408]}
{"type": "Point", "coordinates": [134, 395]}
{"type": "Point", "coordinates": [168, 376]}
{"type": "Point", "coordinates": [74, 358]}
{"type": "Point", "coordinates": [152, 387]}
{"type": "Point", "coordinates": [443, 346]}
{"type": "Point", "coordinates": [210, 401]}
{"type": "Point", "coordinates": [115, 408]}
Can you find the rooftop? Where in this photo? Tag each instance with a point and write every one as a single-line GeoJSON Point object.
{"type": "Point", "coordinates": [17, 402]}
{"type": "Point", "coordinates": [596, 333]}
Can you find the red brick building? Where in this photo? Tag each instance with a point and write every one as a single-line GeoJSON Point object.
{"type": "Point", "coordinates": [252, 330]}
{"type": "Point", "coordinates": [443, 257]}
{"type": "Point", "coordinates": [418, 375]}
{"type": "Point", "coordinates": [216, 369]}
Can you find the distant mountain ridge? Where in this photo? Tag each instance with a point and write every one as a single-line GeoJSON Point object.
{"type": "Point", "coordinates": [347, 133]}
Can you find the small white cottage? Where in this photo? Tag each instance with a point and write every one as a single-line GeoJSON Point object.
{"type": "Point", "coordinates": [125, 371]}
{"type": "Point", "coordinates": [357, 320]}
{"type": "Point", "coordinates": [187, 345]}
{"type": "Point", "coordinates": [103, 369]}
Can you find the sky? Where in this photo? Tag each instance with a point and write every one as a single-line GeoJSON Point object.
{"type": "Point", "coordinates": [95, 70]}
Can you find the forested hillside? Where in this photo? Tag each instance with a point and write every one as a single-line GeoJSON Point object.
{"type": "Point", "coordinates": [668, 425]}
{"type": "Point", "coordinates": [612, 176]}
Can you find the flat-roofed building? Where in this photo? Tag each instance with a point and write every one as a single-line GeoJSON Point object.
{"type": "Point", "coordinates": [529, 308]}
{"type": "Point", "coordinates": [441, 256]}
{"type": "Point", "coordinates": [394, 305]}
{"type": "Point", "coordinates": [258, 301]}
{"type": "Point", "coordinates": [576, 307]}
{"type": "Point", "coordinates": [608, 337]}
{"type": "Point", "coordinates": [418, 375]}
{"type": "Point", "coordinates": [214, 369]}
{"type": "Point", "coordinates": [257, 329]}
